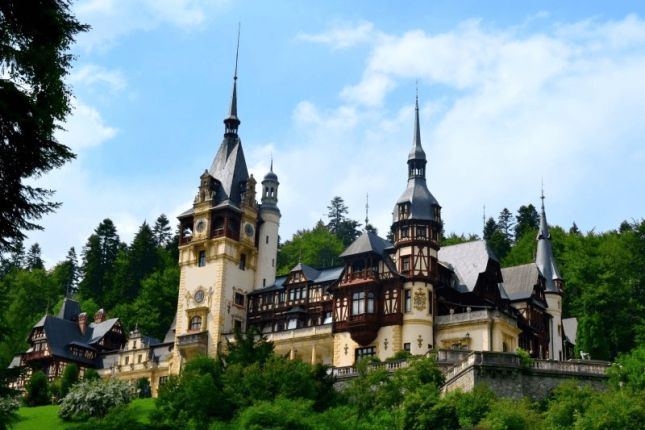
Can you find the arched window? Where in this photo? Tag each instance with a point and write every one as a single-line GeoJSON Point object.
{"type": "Point", "coordinates": [196, 323]}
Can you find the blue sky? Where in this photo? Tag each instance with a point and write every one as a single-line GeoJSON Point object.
{"type": "Point", "coordinates": [511, 93]}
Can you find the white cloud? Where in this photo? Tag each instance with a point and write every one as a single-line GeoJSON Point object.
{"type": "Point", "coordinates": [112, 19]}
{"type": "Point", "coordinates": [92, 75]}
{"type": "Point", "coordinates": [563, 104]}
{"type": "Point", "coordinates": [343, 36]}
{"type": "Point", "coordinates": [84, 128]}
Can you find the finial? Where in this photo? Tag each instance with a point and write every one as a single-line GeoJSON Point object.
{"type": "Point", "coordinates": [542, 194]}
{"type": "Point", "coordinates": [484, 217]}
{"type": "Point", "coordinates": [367, 208]}
{"type": "Point", "coordinates": [271, 168]}
{"type": "Point", "coordinates": [417, 91]}
{"type": "Point", "coordinates": [237, 51]}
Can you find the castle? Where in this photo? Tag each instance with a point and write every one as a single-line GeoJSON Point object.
{"type": "Point", "coordinates": [409, 295]}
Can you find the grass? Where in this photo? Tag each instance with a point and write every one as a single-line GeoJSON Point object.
{"type": "Point", "coordinates": [46, 417]}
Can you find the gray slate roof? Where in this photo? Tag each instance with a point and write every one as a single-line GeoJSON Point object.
{"type": "Point", "coordinates": [519, 281]}
{"type": "Point", "coordinates": [229, 168]}
{"type": "Point", "coordinates": [467, 261]}
{"type": "Point", "coordinates": [70, 309]}
{"type": "Point", "coordinates": [570, 327]}
{"type": "Point", "coordinates": [309, 272]}
{"type": "Point", "coordinates": [367, 242]}
{"type": "Point", "coordinates": [420, 199]}
{"type": "Point", "coordinates": [544, 258]}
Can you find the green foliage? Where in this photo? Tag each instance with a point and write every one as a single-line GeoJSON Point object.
{"type": "Point", "coordinates": [90, 374]}
{"type": "Point", "coordinates": [279, 414]}
{"type": "Point", "coordinates": [317, 248]}
{"type": "Point", "coordinates": [424, 409]}
{"type": "Point", "coordinates": [95, 398]}
{"type": "Point", "coordinates": [34, 260]}
{"type": "Point", "coordinates": [526, 361]}
{"type": "Point", "coordinates": [70, 377]}
{"type": "Point", "coordinates": [455, 239]}
{"type": "Point", "coordinates": [8, 411]}
{"type": "Point", "coordinates": [498, 242]}
{"type": "Point", "coordinates": [526, 221]}
{"type": "Point", "coordinates": [35, 40]}
{"type": "Point", "coordinates": [613, 410]}
{"type": "Point", "coordinates": [566, 404]}
{"type": "Point", "coordinates": [628, 371]}
{"type": "Point", "coordinates": [99, 262]}
{"type": "Point", "coordinates": [471, 407]}
{"type": "Point", "coordinates": [37, 390]}
{"type": "Point", "coordinates": [506, 414]}
{"type": "Point", "coordinates": [248, 349]}
{"type": "Point", "coordinates": [119, 418]}
{"type": "Point", "coordinates": [143, 388]}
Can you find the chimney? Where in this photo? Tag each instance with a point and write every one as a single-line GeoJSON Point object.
{"type": "Point", "coordinates": [99, 316]}
{"type": "Point", "coordinates": [82, 322]}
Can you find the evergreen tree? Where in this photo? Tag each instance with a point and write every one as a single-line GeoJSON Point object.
{"type": "Point", "coordinates": [70, 377]}
{"type": "Point", "coordinates": [527, 220]}
{"type": "Point", "coordinates": [99, 261]}
{"type": "Point", "coordinates": [162, 231]}
{"type": "Point", "coordinates": [35, 39]}
{"type": "Point", "coordinates": [317, 248]}
{"type": "Point", "coordinates": [17, 257]}
{"type": "Point", "coordinates": [34, 261]}
{"type": "Point", "coordinates": [496, 239]}
{"type": "Point", "coordinates": [344, 228]}
{"type": "Point", "coordinates": [574, 229]}
{"type": "Point", "coordinates": [505, 224]}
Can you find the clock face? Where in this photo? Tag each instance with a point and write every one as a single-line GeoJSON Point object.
{"type": "Point", "coordinates": [200, 226]}
{"type": "Point", "coordinates": [248, 229]}
{"type": "Point", "coordinates": [199, 296]}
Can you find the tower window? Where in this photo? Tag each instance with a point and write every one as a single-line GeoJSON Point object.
{"type": "Point", "coordinates": [408, 300]}
{"type": "Point", "coordinates": [202, 259]}
{"type": "Point", "coordinates": [267, 239]}
{"type": "Point", "coordinates": [239, 299]}
{"type": "Point", "coordinates": [242, 261]}
{"type": "Point", "coordinates": [421, 232]}
{"type": "Point", "coordinates": [404, 232]}
{"type": "Point", "coordinates": [405, 264]}
{"type": "Point", "coordinates": [196, 323]}
{"type": "Point", "coordinates": [264, 282]}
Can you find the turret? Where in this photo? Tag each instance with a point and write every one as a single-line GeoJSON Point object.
{"type": "Point", "coordinates": [269, 223]}
{"type": "Point", "coordinates": [545, 262]}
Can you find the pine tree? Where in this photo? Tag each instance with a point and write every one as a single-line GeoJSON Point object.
{"type": "Point", "coordinates": [35, 40]}
{"type": "Point", "coordinates": [505, 224]}
{"type": "Point", "coordinates": [162, 231]}
{"type": "Point", "coordinates": [34, 261]}
{"type": "Point", "coordinates": [527, 219]}
{"type": "Point", "coordinates": [99, 261]}
{"type": "Point", "coordinates": [496, 239]}
{"type": "Point", "coordinates": [344, 228]}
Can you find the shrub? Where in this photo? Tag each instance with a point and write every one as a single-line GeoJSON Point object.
{"type": "Point", "coordinates": [526, 361]}
{"type": "Point", "coordinates": [37, 390]}
{"type": "Point", "coordinates": [143, 388]}
{"type": "Point", "coordinates": [473, 406]}
{"type": "Point", "coordinates": [119, 418]}
{"type": "Point", "coordinates": [613, 410]}
{"type": "Point", "coordinates": [90, 374]}
{"type": "Point", "coordinates": [95, 398]}
{"type": "Point", "coordinates": [506, 414]}
{"type": "Point", "coordinates": [401, 355]}
{"type": "Point", "coordinates": [8, 411]}
{"type": "Point", "coordinates": [70, 377]}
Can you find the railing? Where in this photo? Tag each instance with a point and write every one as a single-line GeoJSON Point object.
{"type": "Point", "coordinates": [472, 316]}
{"type": "Point", "coordinates": [35, 355]}
{"type": "Point", "coordinates": [299, 332]}
{"type": "Point", "coordinates": [351, 371]}
{"type": "Point", "coordinates": [193, 339]}
{"type": "Point", "coordinates": [577, 366]}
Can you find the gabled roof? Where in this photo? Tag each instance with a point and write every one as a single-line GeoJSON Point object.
{"type": "Point", "coordinates": [467, 261]}
{"type": "Point", "coordinates": [170, 334]}
{"type": "Point", "coordinates": [95, 332]}
{"type": "Point", "coordinates": [519, 281]}
{"type": "Point", "coordinates": [367, 242]}
{"type": "Point", "coordinates": [310, 273]}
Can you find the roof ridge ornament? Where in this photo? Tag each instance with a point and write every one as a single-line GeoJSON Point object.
{"type": "Point", "coordinates": [232, 122]}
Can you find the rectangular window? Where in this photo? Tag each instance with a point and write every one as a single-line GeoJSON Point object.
{"type": "Point", "coordinates": [242, 261]}
{"type": "Point", "coordinates": [327, 318]}
{"type": "Point", "coordinates": [408, 300]}
{"type": "Point", "coordinates": [293, 323]}
{"type": "Point", "coordinates": [421, 232]}
{"type": "Point", "coordinates": [358, 303]}
{"type": "Point", "coordinates": [202, 259]}
{"type": "Point", "coordinates": [368, 351]}
{"type": "Point", "coordinates": [162, 380]}
{"type": "Point", "coordinates": [267, 239]}
{"type": "Point", "coordinates": [237, 325]}
{"type": "Point", "coordinates": [406, 346]}
{"type": "Point", "coordinates": [405, 264]}
{"type": "Point", "coordinates": [239, 299]}
{"type": "Point", "coordinates": [404, 232]}
{"type": "Point", "coordinates": [127, 360]}
{"type": "Point", "coordinates": [139, 358]}
{"type": "Point", "coordinates": [292, 294]}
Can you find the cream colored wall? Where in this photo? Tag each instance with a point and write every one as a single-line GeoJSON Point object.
{"type": "Point", "coordinates": [477, 335]}
{"type": "Point", "coordinates": [417, 324]}
{"type": "Point", "coordinates": [554, 308]}
{"type": "Point", "coordinates": [267, 252]}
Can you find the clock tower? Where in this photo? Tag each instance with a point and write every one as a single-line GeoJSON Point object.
{"type": "Point", "coordinates": [218, 250]}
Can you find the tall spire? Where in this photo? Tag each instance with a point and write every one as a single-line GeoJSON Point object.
{"type": "Point", "coordinates": [233, 122]}
{"type": "Point", "coordinates": [544, 259]}
{"type": "Point", "coordinates": [417, 151]}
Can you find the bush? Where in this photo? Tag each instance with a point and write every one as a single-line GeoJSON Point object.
{"type": "Point", "coordinates": [281, 414]}
{"type": "Point", "coordinates": [143, 388]}
{"type": "Point", "coordinates": [526, 361]}
{"type": "Point", "coordinates": [8, 411]}
{"type": "Point", "coordinates": [566, 404]}
{"type": "Point", "coordinates": [119, 418]}
{"type": "Point", "coordinates": [473, 406]}
{"type": "Point", "coordinates": [613, 410]}
{"type": "Point", "coordinates": [90, 374]}
{"type": "Point", "coordinates": [37, 390]}
{"type": "Point", "coordinates": [95, 398]}
{"type": "Point", "coordinates": [70, 377]}
{"type": "Point", "coordinates": [506, 414]}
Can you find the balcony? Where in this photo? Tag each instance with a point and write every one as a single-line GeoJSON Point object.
{"type": "Point", "coordinates": [35, 355]}
{"type": "Point", "coordinates": [193, 344]}
{"type": "Point", "coordinates": [472, 316]}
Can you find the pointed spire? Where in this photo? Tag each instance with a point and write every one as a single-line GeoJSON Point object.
{"type": "Point", "coordinates": [544, 259]}
{"type": "Point", "coordinates": [233, 122]}
{"type": "Point", "coordinates": [271, 168]}
{"type": "Point", "coordinates": [417, 151]}
{"type": "Point", "coordinates": [367, 210]}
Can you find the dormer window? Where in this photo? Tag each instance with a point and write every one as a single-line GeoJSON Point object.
{"type": "Point", "coordinates": [404, 211]}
